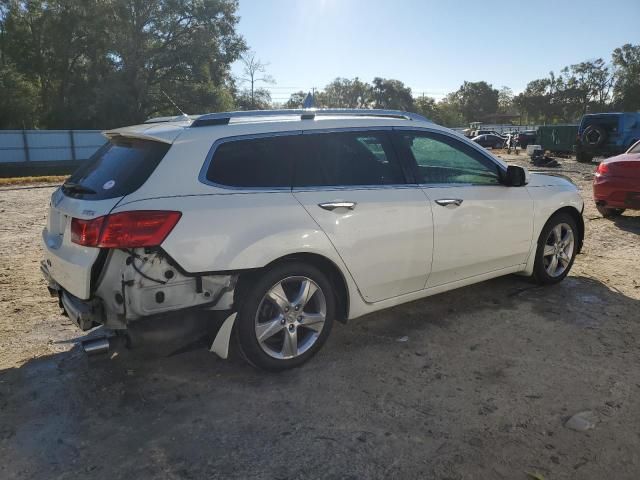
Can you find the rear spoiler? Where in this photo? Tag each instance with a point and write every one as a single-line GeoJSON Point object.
{"type": "Point", "coordinates": [155, 132]}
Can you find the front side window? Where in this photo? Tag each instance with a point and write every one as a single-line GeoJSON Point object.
{"type": "Point", "coordinates": [440, 160]}
{"type": "Point", "coordinates": [347, 158]}
{"type": "Point", "coordinates": [254, 163]}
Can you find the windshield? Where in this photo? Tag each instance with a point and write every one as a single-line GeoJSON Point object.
{"type": "Point", "coordinates": [117, 169]}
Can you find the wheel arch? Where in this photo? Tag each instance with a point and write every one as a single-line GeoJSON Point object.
{"type": "Point", "coordinates": [577, 216]}
{"type": "Point", "coordinates": [327, 266]}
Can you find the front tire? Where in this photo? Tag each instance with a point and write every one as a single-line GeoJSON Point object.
{"type": "Point", "coordinates": [557, 248]}
{"type": "Point", "coordinates": [285, 316]}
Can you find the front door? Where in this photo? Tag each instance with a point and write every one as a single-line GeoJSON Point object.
{"type": "Point", "coordinates": [353, 186]}
{"type": "Point", "coordinates": [480, 225]}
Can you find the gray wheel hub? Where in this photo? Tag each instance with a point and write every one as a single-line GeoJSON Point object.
{"type": "Point", "coordinates": [290, 317]}
{"type": "Point", "coordinates": [558, 250]}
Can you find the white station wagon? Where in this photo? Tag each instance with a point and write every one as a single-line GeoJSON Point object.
{"type": "Point", "coordinates": [288, 220]}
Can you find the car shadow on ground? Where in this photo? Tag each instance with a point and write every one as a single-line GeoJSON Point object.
{"type": "Point", "coordinates": [146, 413]}
{"type": "Point", "coordinates": [628, 223]}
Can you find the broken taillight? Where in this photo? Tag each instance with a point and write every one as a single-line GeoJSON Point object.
{"type": "Point", "coordinates": [137, 228]}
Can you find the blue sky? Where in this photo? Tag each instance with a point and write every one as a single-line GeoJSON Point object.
{"type": "Point", "coordinates": [432, 46]}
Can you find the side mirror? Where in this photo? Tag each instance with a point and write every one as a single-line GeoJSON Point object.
{"type": "Point", "coordinates": [516, 176]}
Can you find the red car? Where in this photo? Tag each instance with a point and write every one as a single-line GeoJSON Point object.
{"type": "Point", "coordinates": [616, 186]}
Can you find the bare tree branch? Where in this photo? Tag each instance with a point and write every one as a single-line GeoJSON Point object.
{"type": "Point", "coordinates": [253, 67]}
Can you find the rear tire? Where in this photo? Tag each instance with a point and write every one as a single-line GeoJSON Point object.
{"type": "Point", "coordinates": [557, 248]}
{"type": "Point", "coordinates": [608, 212]}
{"type": "Point", "coordinates": [285, 316]}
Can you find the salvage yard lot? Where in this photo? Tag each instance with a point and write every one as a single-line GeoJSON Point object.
{"type": "Point", "coordinates": [473, 383]}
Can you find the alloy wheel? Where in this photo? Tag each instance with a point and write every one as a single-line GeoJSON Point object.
{"type": "Point", "coordinates": [558, 249]}
{"type": "Point", "coordinates": [290, 317]}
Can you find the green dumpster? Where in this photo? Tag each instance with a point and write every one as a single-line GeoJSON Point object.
{"type": "Point", "coordinates": [557, 138]}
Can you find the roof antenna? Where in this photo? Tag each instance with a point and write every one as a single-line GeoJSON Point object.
{"type": "Point", "coordinates": [175, 105]}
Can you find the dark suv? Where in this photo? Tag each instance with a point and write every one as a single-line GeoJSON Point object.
{"type": "Point", "coordinates": [527, 137]}
{"type": "Point", "coordinates": [606, 134]}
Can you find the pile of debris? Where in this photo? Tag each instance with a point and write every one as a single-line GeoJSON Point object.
{"type": "Point", "coordinates": [539, 157]}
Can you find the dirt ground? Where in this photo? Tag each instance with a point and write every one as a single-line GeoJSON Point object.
{"type": "Point", "coordinates": [471, 384]}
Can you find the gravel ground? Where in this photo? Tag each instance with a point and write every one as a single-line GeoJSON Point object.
{"type": "Point", "coordinates": [474, 383]}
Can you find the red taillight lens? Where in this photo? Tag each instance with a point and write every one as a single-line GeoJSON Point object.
{"type": "Point", "coordinates": [141, 228]}
{"type": "Point", "coordinates": [86, 232]}
{"type": "Point", "coordinates": [603, 169]}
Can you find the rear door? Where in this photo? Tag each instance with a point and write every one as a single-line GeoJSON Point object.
{"type": "Point", "coordinates": [353, 186]}
{"type": "Point", "coordinates": [480, 225]}
{"type": "Point", "coordinates": [118, 168]}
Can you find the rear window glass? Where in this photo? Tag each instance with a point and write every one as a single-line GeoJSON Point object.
{"type": "Point", "coordinates": [117, 169]}
{"type": "Point", "coordinates": [349, 158]}
{"type": "Point", "coordinates": [254, 163]}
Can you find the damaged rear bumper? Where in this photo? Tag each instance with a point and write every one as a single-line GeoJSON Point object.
{"type": "Point", "coordinates": [141, 284]}
{"type": "Point", "coordinates": [86, 314]}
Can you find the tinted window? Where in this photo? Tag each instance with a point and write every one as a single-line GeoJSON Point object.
{"type": "Point", "coordinates": [118, 168]}
{"type": "Point", "coordinates": [347, 158]}
{"type": "Point", "coordinates": [441, 159]}
{"type": "Point", "coordinates": [260, 162]}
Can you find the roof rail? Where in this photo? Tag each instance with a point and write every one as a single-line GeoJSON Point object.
{"type": "Point", "coordinates": [223, 118]}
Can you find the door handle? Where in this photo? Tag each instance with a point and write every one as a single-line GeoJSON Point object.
{"type": "Point", "coordinates": [449, 202]}
{"type": "Point", "coordinates": [333, 205]}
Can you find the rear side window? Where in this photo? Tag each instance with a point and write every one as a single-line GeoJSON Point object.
{"type": "Point", "coordinates": [254, 163]}
{"type": "Point", "coordinates": [347, 158]}
{"type": "Point", "coordinates": [117, 169]}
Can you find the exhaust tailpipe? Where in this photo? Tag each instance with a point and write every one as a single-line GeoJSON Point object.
{"type": "Point", "coordinates": [96, 346]}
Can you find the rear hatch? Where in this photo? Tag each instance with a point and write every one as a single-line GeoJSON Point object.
{"type": "Point", "coordinates": [117, 169]}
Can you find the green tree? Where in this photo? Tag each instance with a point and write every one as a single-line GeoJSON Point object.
{"type": "Point", "coordinates": [476, 100]}
{"type": "Point", "coordinates": [505, 100]}
{"type": "Point", "coordinates": [46, 41]}
{"type": "Point", "coordinates": [18, 99]}
{"type": "Point", "coordinates": [535, 100]}
{"type": "Point", "coordinates": [345, 93]}
{"type": "Point", "coordinates": [580, 88]}
{"type": "Point", "coordinates": [427, 107]}
{"type": "Point", "coordinates": [104, 63]}
{"type": "Point", "coordinates": [175, 46]}
{"type": "Point", "coordinates": [392, 94]}
{"type": "Point", "coordinates": [626, 90]}
{"type": "Point", "coordinates": [259, 99]}
{"type": "Point", "coordinates": [584, 87]}
{"type": "Point", "coordinates": [449, 112]}
{"type": "Point", "coordinates": [296, 100]}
